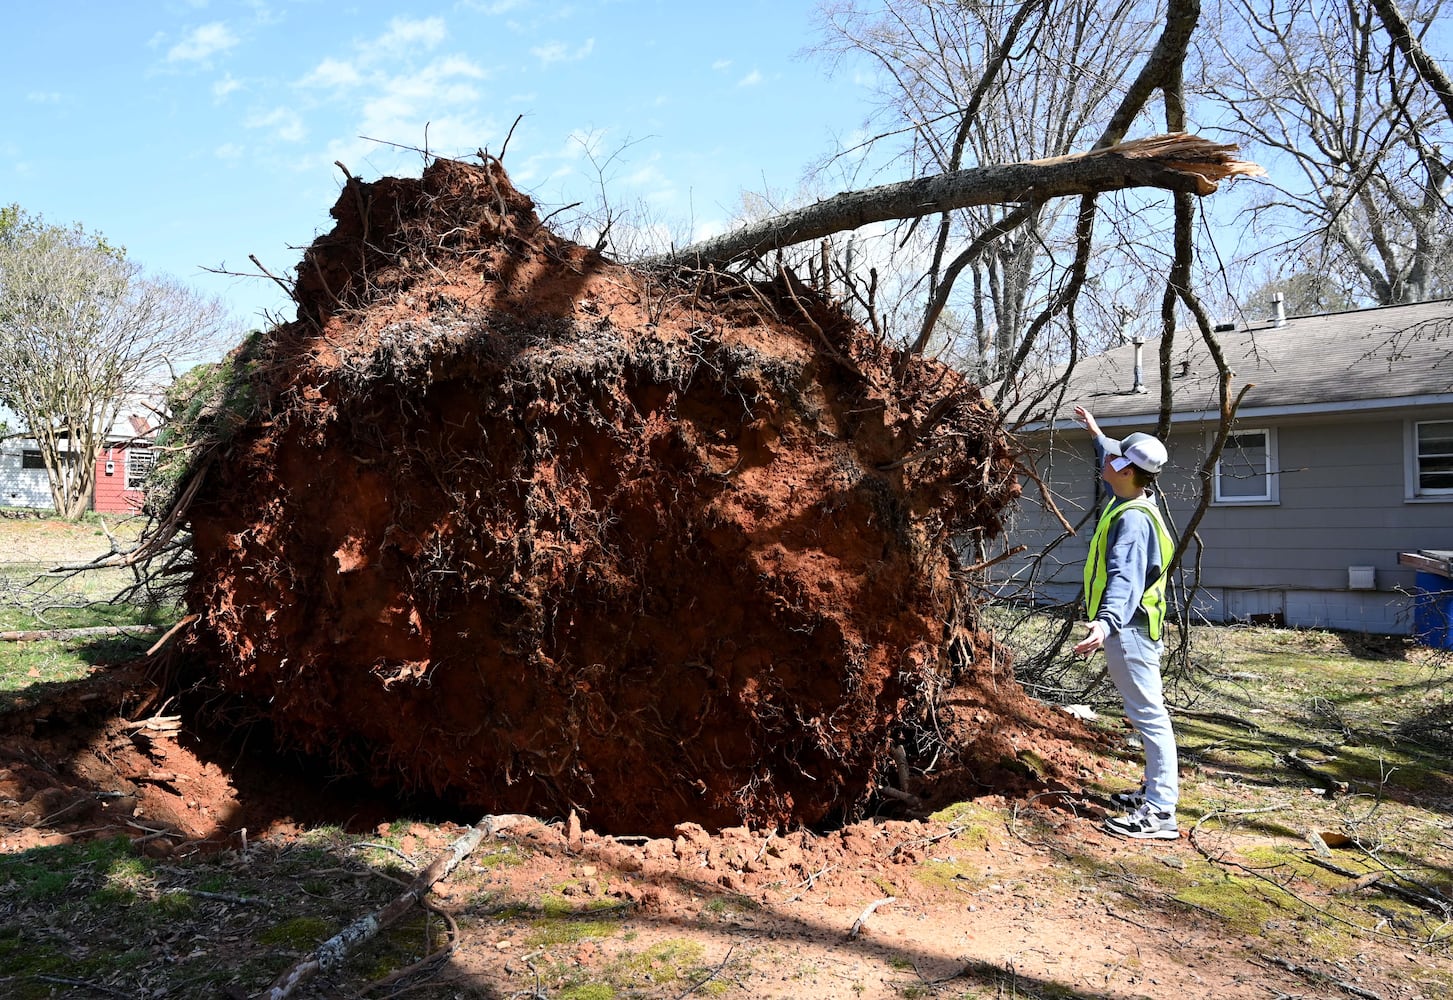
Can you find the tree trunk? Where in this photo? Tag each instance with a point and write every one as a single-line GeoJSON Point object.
{"type": "Point", "coordinates": [1429, 70]}
{"type": "Point", "coordinates": [1178, 162]}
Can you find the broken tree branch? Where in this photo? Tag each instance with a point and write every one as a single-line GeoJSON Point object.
{"type": "Point", "coordinates": [331, 953]}
{"type": "Point", "coordinates": [1176, 162]}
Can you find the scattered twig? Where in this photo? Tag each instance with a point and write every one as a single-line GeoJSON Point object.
{"type": "Point", "coordinates": [368, 844]}
{"type": "Point", "coordinates": [63, 811]}
{"type": "Point", "coordinates": [221, 897]}
{"type": "Point", "coordinates": [857, 927]}
{"type": "Point", "coordinates": [709, 976]}
{"type": "Point", "coordinates": [1222, 859]}
{"type": "Point", "coordinates": [809, 883]}
{"type": "Point", "coordinates": [97, 987]}
{"type": "Point", "coordinates": [151, 833]}
{"type": "Point", "coordinates": [1232, 720]}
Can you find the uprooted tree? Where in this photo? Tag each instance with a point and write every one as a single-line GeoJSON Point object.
{"type": "Point", "coordinates": [502, 520]}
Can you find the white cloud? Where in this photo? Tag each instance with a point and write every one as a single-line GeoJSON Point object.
{"type": "Point", "coordinates": [496, 7]}
{"type": "Point", "coordinates": [395, 89]}
{"type": "Point", "coordinates": [721, 64]}
{"type": "Point", "coordinates": [333, 73]}
{"type": "Point", "coordinates": [555, 52]}
{"type": "Point", "coordinates": [751, 79]}
{"type": "Point", "coordinates": [203, 43]}
{"type": "Point", "coordinates": [226, 85]}
{"type": "Point", "coordinates": [228, 151]}
{"type": "Point", "coordinates": [282, 123]}
{"type": "Point", "coordinates": [43, 97]}
{"type": "Point", "coordinates": [404, 36]}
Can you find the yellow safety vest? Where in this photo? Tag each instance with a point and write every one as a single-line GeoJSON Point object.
{"type": "Point", "coordinates": [1097, 572]}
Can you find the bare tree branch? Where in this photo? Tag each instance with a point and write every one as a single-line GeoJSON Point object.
{"type": "Point", "coordinates": [1428, 68]}
{"type": "Point", "coordinates": [1177, 162]}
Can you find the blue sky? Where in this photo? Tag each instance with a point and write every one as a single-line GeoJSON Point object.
{"type": "Point", "coordinates": [197, 132]}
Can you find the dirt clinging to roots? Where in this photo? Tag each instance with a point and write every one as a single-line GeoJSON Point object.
{"type": "Point", "coordinates": [538, 532]}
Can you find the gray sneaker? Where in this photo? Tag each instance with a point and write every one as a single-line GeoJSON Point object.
{"type": "Point", "coordinates": [1129, 801]}
{"type": "Point", "coordinates": [1144, 823]}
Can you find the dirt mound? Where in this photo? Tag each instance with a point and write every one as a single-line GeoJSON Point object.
{"type": "Point", "coordinates": [511, 523]}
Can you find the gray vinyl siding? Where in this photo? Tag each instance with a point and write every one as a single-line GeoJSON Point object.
{"type": "Point", "coordinates": [1340, 502]}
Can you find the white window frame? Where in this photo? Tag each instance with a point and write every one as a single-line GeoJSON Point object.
{"type": "Point", "coordinates": [1272, 494]}
{"type": "Point", "coordinates": [138, 475]}
{"type": "Point", "coordinates": [1413, 488]}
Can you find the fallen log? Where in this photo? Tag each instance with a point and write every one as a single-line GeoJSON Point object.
{"type": "Point", "coordinates": [35, 635]}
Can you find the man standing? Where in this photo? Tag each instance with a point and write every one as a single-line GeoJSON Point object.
{"type": "Point", "coordinates": [1125, 602]}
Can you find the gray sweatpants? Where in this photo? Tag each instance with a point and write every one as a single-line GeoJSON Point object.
{"type": "Point", "coordinates": [1134, 662]}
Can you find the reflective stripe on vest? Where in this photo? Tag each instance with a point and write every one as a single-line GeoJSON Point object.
{"type": "Point", "coordinates": [1097, 573]}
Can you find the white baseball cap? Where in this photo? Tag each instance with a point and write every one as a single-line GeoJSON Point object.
{"type": "Point", "coordinates": [1143, 450]}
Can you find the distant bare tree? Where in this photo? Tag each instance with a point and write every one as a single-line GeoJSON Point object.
{"type": "Point", "coordinates": [82, 332]}
{"type": "Point", "coordinates": [1338, 102]}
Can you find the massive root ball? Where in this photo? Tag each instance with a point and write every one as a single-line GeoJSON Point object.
{"type": "Point", "coordinates": [535, 531]}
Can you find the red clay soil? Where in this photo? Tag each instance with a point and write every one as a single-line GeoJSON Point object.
{"type": "Point", "coordinates": [537, 532]}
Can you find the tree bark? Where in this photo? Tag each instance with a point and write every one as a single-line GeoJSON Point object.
{"type": "Point", "coordinates": [1428, 69]}
{"type": "Point", "coordinates": [1177, 162]}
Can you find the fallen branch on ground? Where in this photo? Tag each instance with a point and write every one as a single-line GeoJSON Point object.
{"type": "Point", "coordinates": [1432, 901]}
{"type": "Point", "coordinates": [1333, 784]}
{"type": "Point", "coordinates": [34, 635]}
{"type": "Point", "coordinates": [331, 953]}
{"type": "Point", "coordinates": [1316, 976]}
{"type": "Point", "coordinates": [857, 927]}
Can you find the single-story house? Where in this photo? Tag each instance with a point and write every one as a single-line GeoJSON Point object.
{"type": "Point", "coordinates": [121, 467]}
{"type": "Point", "coordinates": [1340, 460]}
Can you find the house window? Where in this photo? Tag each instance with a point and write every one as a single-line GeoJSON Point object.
{"type": "Point", "coordinates": [30, 458]}
{"type": "Point", "coordinates": [1245, 472]}
{"type": "Point", "coordinates": [138, 463]}
{"type": "Point", "coordinates": [1432, 458]}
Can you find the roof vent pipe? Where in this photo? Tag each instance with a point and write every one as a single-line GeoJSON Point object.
{"type": "Point", "coordinates": [1279, 312]}
{"type": "Point", "coordinates": [1139, 385]}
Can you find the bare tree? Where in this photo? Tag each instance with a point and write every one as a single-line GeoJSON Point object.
{"type": "Point", "coordinates": [82, 333]}
{"type": "Point", "coordinates": [1337, 102]}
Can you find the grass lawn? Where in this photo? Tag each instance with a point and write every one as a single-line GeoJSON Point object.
{"type": "Point", "coordinates": [33, 597]}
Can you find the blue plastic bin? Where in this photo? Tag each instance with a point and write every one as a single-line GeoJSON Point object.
{"type": "Point", "coordinates": [1433, 611]}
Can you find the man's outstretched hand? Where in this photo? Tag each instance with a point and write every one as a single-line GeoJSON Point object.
{"type": "Point", "coordinates": [1087, 418]}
